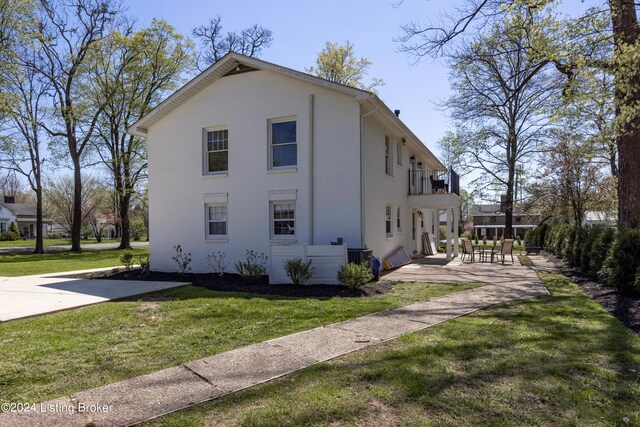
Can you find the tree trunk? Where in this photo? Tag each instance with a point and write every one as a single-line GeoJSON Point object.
{"type": "Point", "coordinates": [76, 226]}
{"type": "Point", "coordinates": [627, 96]}
{"type": "Point", "coordinates": [508, 215]}
{"type": "Point", "coordinates": [39, 249]}
{"type": "Point", "coordinates": [125, 240]}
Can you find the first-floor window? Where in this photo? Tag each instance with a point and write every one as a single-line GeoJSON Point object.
{"type": "Point", "coordinates": [283, 215]}
{"type": "Point", "coordinates": [387, 216]}
{"type": "Point", "coordinates": [3, 227]}
{"type": "Point", "coordinates": [216, 220]}
{"type": "Point", "coordinates": [398, 219]}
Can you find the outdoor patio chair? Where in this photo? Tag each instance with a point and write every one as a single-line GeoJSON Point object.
{"type": "Point", "coordinates": [438, 185]}
{"type": "Point", "coordinates": [469, 250]}
{"type": "Point", "coordinates": [507, 249]}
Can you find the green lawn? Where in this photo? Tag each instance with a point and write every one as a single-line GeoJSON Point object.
{"type": "Point", "coordinates": [29, 243]}
{"type": "Point", "coordinates": [558, 360]}
{"type": "Point", "coordinates": [26, 264]}
{"type": "Point", "coordinates": [53, 355]}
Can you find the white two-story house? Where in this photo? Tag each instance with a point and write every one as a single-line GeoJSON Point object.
{"type": "Point", "coordinates": [250, 154]}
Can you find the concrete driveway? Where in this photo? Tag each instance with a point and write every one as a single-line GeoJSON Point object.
{"type": "Point", "coordinates": [32, 295]}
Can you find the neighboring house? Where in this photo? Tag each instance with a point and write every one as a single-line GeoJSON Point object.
{"type": "Point", "coordinates": [488, 221]}
{"type": "Point", "coordinates": [24, 215]}
{"type": "Point", "coordinates": [594, 218]}
{"type": "Point", "coordinates": [250, 154]}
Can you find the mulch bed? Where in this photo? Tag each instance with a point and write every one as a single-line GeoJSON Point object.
{"type": "Point", "coordinates": [233, 283]}
{"type": "Point", "coordinates": [625, 307]}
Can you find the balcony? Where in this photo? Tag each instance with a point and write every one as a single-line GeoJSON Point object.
{"type": "Point", "coordinates": [430, 181]}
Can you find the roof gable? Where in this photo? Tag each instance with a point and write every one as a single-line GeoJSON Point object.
{"type": "Point", "coordinates": [231, 64]}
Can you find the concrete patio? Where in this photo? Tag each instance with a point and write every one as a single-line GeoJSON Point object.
{"type": "Point", "coordinates": [27, 296]}
{"type": "Point", "coordinates": [148, 396]}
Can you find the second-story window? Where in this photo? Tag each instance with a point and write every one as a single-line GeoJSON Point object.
{"type": "Point", "coordinates": [283, 144]}
{"type": "Point", "coordinates": [388, 161]}
{"type": "Point", "coordinates": [217, 151]}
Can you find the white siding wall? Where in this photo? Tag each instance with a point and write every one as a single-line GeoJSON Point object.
{"type": "Point", "coordinates": [243, 103]}
{"type": "Point", "coordinates": [382, 189]}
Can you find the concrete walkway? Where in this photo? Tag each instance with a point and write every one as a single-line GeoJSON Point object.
{"type": "Point", "coordinates": [26, 296]}
{"type": "Point", "coordinates": [148, 396]}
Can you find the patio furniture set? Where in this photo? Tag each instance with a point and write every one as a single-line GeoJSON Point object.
{"type": "Point", "coordinates": [475, 253]}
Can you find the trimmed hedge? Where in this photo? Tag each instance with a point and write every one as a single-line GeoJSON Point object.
{"type": "Point", "coordinates": [623, 262]}
{"type": "Point", "coordinates": [611, 256]}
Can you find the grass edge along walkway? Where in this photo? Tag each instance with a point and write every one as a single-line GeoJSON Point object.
{"type": "Point", "coordinates": [172, 389]}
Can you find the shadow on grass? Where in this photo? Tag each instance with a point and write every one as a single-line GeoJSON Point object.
{"type": "Point", "coordinates": [535, 361]}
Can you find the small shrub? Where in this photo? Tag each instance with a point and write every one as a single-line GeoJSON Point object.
{"type": "Point", "coordinates": [218, 262]}
{"type": "Point", "coordinates": [355, 275]}
{"type": "Point", "coordinates": [622, 261]}
{"type": "Point", "coordinates": [298, 271]}
{"type": "Point", "coordinates": [143, 260]}
{"type": "Point", "coordinates": [182, 259]}
{"type": "Point", "coordinates": [127, 260]}
{"type": "Point", "coordinates": [467, 235]}
{"type": "Point", "coordinates": [253, 268]}
{"type": "Point", "coordinates": [11, 234]}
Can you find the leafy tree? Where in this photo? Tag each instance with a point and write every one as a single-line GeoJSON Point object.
{"type": "Point", "coordinates": [577, 45]}
{"type": "Point", "coordinates": [133, 72]}
{"type": "Point", "coordinates": [339, 64]}
{"type": "Point", "coordinates": [501, 97]}
{"type": "Point", "coordinates": [214, 44]}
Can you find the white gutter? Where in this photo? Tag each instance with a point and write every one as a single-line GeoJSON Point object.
{"type": "Point", "coordinates": [311, 126]}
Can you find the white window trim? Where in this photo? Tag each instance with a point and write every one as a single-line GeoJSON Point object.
{"type": "Point", "coordinates": [270, 122]}
{"type": "Point", "coordinates": [399, 219]}
{"type": "Point", "coordinates": [388, 159]}
{"type": "Point", "coordinates": [205, 151]}
{"type": "Point", "coordinates": [286, 237]}
{"type": "Point", "coordinates": [222, 238]}
{"type": "Point", "coordinates": [389, 220]}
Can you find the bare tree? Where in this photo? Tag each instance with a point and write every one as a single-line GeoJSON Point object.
{"type": "Point", "coordinates": [60, 198]}
{"type": "Point", "coordinates": [583, 36]}
{"type": "Point", "coordinates": [69, 31]}
{"type": "Point", "coordinates": [214, 44]}
{"type": "Point", "coordinates": [502, 95]}
{"type": "Point", "coordinates": [27, 92]}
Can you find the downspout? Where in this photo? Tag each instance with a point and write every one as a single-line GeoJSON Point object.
{"type": "Point", "coordinates": [362, 214]}
{"type": "Point", "coordinates": [311, 126]}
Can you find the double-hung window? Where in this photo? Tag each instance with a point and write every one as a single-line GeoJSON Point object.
{"type": "Point", "coordinates": [387, 221]}
{"type": "Point", "coordinates": [216, 221]}
{"type": "Point", "coordinates": [388, 161]}
{"type": "Point", "coordinates": [217, 151]}
{"type": "Point", "coordinates": [3, 227]}
{"type": "Point", "coordinates": [398, 219]}
{"type": "Point", "coordinates": [283, 217]}
{"type": "Point", "coordinates": [283, 143]}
